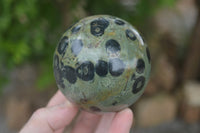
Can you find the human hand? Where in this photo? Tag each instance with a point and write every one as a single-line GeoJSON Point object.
{"type": "Point", "coordinates": [59, 113]}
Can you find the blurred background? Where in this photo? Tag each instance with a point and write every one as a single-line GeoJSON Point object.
{"type": "Point", "coordinates": [31, 29]}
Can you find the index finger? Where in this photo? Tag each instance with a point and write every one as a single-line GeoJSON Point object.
{"type": "Point", "coordinates": [58, 98]}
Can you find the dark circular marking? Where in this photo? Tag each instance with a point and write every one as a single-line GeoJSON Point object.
{"type": "Point", "coordinates": [130, 35]}
{"type": "Point", "coordinates": [70, 74]}
{"type": "Point", "coordinates": [119, 22]}
{"type": "Point", "coordinates": [62, 64]}
{"type": "Point", "coordinates": [133, 76]}
{"type": "Point", "coordinates": [71, 26]}
{"type": "Point", "coordinates": [76, 29]}
{"type": "Point", "coordinates": [114, 103]}
{"type": "Point", "coordinates": [101, 68]}
{"type": "Point", "coordinates": [138, 84]}
{"type": "Point", "coordinates": [140, 66]}
{"type": "Point", "coordinates": [56, 61]}
{"type": "Point", "coordinates": [112, 46]}
{"type": "Point", "coordinates": [148, 55]}
{"type": "Point", "coordinates": [95, 109]}
{"type": "Point", "coordinates": [77, 45]}
{"type": "Point", "coordinates": [98, 26]}
{"type": "Point", "coordinates": [85, 71]}
{"type": "Point", "coordinates": [59, 77]}
{"type": "Point", "coordinates": [63, 45]}
{"type": "Point", "coordinates": [58, 72]}
{"type": "Point", "coordinates": [116, 67]}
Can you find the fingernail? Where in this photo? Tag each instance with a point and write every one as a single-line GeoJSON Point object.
{"type": "Point", "coordinates": [127, 110]}
{"type": "Point", "coordinates": [63, 105]}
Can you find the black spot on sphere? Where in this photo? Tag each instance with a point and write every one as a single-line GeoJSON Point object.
{"type": "Point", "coordinates": [148, 55]}
{"type": "Point", "coordinates": [130, 35]}
{"type": "Point", "coordinates": [140, 66]}
{"type": "Point", "coordinates": [56, 61]}
{"type": "Point", "coordinates": [114, 103]}
{"type": "Point", "coordinates": [119, 22]}
{"type": "Point", "coordinates": [58, 73]}
{"type": "Point", "coordinates": [98, 26]}
{"type": "Point", "coordinates": [62, 64]}
{"type": "Point", "coordinates": [85, 71]}
{"type": "Point", "coordinates": [70, 74]}
{"type": "Point", "coordinates": [76, 29]}
{"type": "Point", "coordinates": [101, 68]}
{"type": "Point", "coordinates": [116, 67]}
{"type": "Point", "coordinates": [138, 84]}
{"type": "Point", "coordinates": [77, 46]}
{"type": "Point", "coordinates": [71, 26]}
{"type": "Point", "coordinates": [112, 46]}
{"type": "Point", "coordinates": [95, 109]}
{"type": "Point", "coordinates": [63, 45]}
{"type": "Point", "coordinates": [133, 76]}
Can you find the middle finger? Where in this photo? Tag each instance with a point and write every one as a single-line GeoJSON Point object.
{"type": "Point", "coordinates": [105, 122]}
{"type": "Point", "coordinates": [86, 123]}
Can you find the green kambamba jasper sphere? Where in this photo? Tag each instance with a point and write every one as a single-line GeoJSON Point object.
{"type": "Point", "coordinates": [102, 64]}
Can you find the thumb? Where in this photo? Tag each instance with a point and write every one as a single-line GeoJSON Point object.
{"type": "Point", "coordinates": [50, 119]}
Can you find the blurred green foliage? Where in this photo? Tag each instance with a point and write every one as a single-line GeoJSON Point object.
{"type": "Point", "coordinates": [27, 33]}
{"type": "Point", "coordinates": [29, 29]}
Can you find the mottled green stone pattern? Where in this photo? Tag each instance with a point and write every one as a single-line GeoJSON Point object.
{"type": "Point", "coordinates": [102, 64]}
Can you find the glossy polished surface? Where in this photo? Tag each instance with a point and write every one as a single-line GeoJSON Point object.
{"type": "Point", "coordinates": [102, 64]}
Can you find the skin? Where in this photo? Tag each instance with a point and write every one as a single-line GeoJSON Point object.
{"type": "Point", "coordinates": [59, 113]}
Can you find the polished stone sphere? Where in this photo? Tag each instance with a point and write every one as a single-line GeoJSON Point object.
{"type": "Point", "coordinates": [102, 64]}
